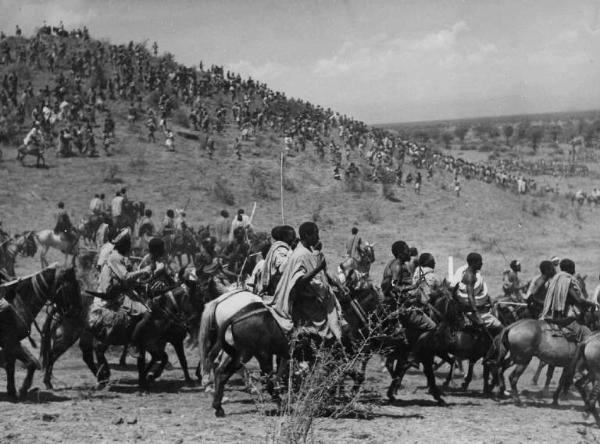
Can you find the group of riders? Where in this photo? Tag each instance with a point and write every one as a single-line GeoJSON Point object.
{"type": "Point", "coordinates": [292, 276]}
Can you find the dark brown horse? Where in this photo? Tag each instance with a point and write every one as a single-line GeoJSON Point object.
{"type": "Point", "coordinates": [23, 300]}
{"type": "Point", "coordinates": [174, 314]}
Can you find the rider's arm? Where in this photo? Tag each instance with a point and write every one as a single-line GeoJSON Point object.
{"type": "Point", "coordinates": [469, 281]}
{"type": "Point", "coordinates": [577, 298]}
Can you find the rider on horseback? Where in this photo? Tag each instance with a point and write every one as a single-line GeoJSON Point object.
{"type": "Point", "coordinates": [563, 297]}
{"type": "Point", "coordinates": [512, 285]}
{"type": "Point", "coordinates": [34, 136]}
{"type": "Point", "coordinates": [161, 280]}
{"type": "Point", "coordinates": [536, 293]}
{"type": "Point", "coordinates": [63, 224]}
{"type": "Point", "coordinates": [471, 290]}
{"type": "Point", "coordinates": [285, 240]}
{"type": "Point", "coordinates": [304, 294]}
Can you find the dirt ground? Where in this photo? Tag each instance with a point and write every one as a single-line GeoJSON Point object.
{"type": "Point", "coordinates": [172, 412]}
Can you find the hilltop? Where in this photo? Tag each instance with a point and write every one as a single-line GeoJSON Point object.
{"type": "Point", "coordinates": [500, 224]}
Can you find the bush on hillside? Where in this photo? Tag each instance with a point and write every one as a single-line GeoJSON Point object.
{"type": "Point", "coordinates": [111, 174]}
{"type": "Point", "coordinates": [261, 183]}
{"type": "Point", "coordinates": [371, 212]}
{"type": "Point", "coordinates": [181, 118]}
{"type": "Point", "coordinates": [387, 191]}
{"type": "Point", "coordinates": [21, 70]}
{"type": "Point", "coordinates": [315, 215]}
{"type": "Point", "coordinates": [289, 184]}
{"type": "Point", "coordinates": [223, 192]}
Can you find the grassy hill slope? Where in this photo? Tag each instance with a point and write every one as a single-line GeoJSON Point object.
{"type": "Point", "coordinates": [484, 218]}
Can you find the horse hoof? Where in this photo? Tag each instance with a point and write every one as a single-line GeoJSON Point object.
{"type": "Point", "coordinates": [220, 413]}
{"type": "Point", "coordinates": [442, 403]}
{"type": "Point", "coordinates": [49, 386]}
{"type": "Point", "coordinates": [23, 393]}
{"type": "Point", "coordinates": [464, 386]}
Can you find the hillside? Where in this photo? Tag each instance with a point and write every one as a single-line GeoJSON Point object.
{"type": "Point", "coordinates": [499, 224]}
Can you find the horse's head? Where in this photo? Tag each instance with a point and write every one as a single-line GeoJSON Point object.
{"type": "Point", "coordinates": [67, 294]}
{"type": "Point", "coordinates": [367, 253]}
{"type": "Point", "coordinates": [581, 282]}
{"type": "Point", "coordinates": [25, 244]}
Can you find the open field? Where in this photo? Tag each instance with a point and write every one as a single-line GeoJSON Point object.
{"type": "Point", "coordinates": [485, 218]}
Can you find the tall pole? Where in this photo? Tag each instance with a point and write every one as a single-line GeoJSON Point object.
{"type": "Point", "coordinates": [281, 188]}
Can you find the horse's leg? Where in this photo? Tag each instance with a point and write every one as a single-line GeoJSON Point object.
{"type": "Point", "coordinates": [103, 367]}
{"type": "Point", "coordinates": [549, 375]}
{"type": "Point", "coordinates": [468, 376]}
{"type": "Point", "coordinates": [538, 372]}
{"type": "Point", "coordinates": [86, 344]}
{"type": "Point", "coordinates": [43, 252]}
{"type": "Point", "coordinates": [427, 361]}
{"type": "Point", "coordinates": [178, 346]}
{"type": "Point", "coordinates": [141, 367]}
{"type": "Point", "coordinates": [10, 375]}
{"type": "Point", "coordinates": [487, 386]}
{"type": "Point", "coordinates": [62, 342]}
{"type": "Point", "coordinates": [123, 358]}
{"type": "Point", "coordinates": [162, 359]}
{"type": "Point", "coordinates": [449, 376]}
{"type": "Point", "coordinates": [25, 356]}
{"type": "Point", "coordinates": [515, 375]}
{"type": "Point", "coordinates": [561, 385]}
{"type": "Point", "coordinates": [222, 375]}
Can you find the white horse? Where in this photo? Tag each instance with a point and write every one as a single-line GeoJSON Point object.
{"type": "Point", "coordinates": [48, 239]}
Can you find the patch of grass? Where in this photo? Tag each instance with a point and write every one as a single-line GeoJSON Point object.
{"type": "Point", "coordinates": [223, 192]}
{"type": "Point", "coordinates": [371, 212]}
{"type": "Point", "coordinates": [261, 182]}
{"type": "Point", "coordinates": [111, 174]}
{"type": "Point", "coordinates": [181, 118]}
{"type": "Point", "coordinates": [316, 212]}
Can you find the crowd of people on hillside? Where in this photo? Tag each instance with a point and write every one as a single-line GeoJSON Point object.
{"type": "Point", "coordinates": [90, 78]}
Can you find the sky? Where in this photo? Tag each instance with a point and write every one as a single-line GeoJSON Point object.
{"type": "Point", "coordinates": [378, 61]}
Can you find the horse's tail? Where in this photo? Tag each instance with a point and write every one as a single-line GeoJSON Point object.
{"type": "Point", "coordinates": [227, 348]}
{"type": "Point", "coordinates": [207, 337]}
{"type": "Point", "coordinates": [500, 346]}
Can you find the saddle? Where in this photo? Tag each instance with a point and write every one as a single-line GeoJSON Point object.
{"type": "Point", "coordinates": [562, 328]}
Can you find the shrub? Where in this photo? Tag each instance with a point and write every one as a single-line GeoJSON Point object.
{"type": "Point", "coordinates": [372, 213]}
{"type": "Point", "coordinates": [21, 70]}
{"type": "Point", "coordinates": [387, 191]}
{"type": "Point", "coordinates": [261, 183]}
{"type": "Point", "coordinates": [222, 192]}
{"type": "Point", "coordinates": [316, 212]}
{"type": "Point", "coordinates": [289, 184]}
{"type": "Point", "coordinates": [181, 118]}
{"type": "Point", "coordinates": [111, 174]}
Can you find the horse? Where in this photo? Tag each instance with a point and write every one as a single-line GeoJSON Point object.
{"type": "Point", "coordinates": [130, 213]}
{"type": "Point", "coordinates": [450, 338]}
{"type": "Point", "coordinates": [24, 298]}
{"type": "Point", "coordinates": [527, 338]}
{"type": "Point", "coordinates": [361, 265]}
{"type": "Point", "coordinates": [175, 313]}
{"type": "Point", "coordinates": [587, 358]}
{"type": "Point", "coordinates": [89, 227]}
{"type": "Point", "coordinates": [49, 239]}
{"type": "Point", "coordinates": [31, 150]}
{"type": "Point", "coordinates": [9, 249]}
{"type": "Point", "coordinates": [180, 243]}
{"type": "Point", "coordinates": [252, 331]}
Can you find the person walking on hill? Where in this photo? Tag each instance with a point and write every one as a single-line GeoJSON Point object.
{"type": "Point", "coordinates": [116, 208]}
{"type": "Point", "coordinates": [222, 225]}
{"type": "Point", "coordinates": [354, 245]}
